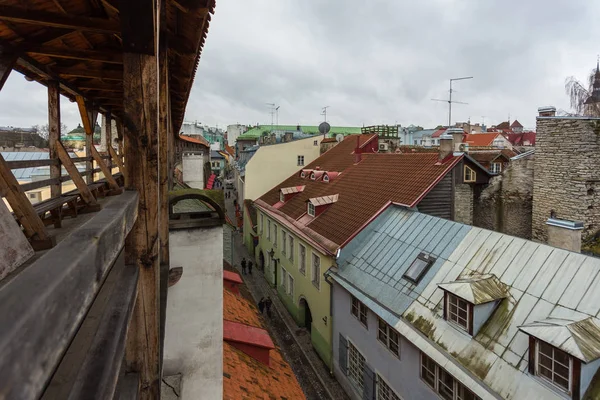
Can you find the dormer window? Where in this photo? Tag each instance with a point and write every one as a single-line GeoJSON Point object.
{"type": "Point", "coordinates": [281, 197]}
{"type": "Point", "coordinates": [553, 365]}
{"type": "Point", "coordinates": [302, 175]}
{"type": "Point", "coordinates": [469, 175]}
{"type": "Point", "coordinates": [458, 311]}
{"type": "Point", "coordinates": [311, 209]}
{"type": "Point", "coordinates": [326, 178]}
{"type": "Point", "coordinates": [312, 176]}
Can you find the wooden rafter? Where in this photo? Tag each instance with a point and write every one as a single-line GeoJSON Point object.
{"type": "Point", "coordinates": [85, 72]}
{"type": "Point", "coordinates": [57, 20]}
{"type": "Point", "coordinates": [110, 57]}
{"type": "Point", "coordinates": [191, 7]}
{"type": "Point", "coordinates": [105, 87]}
{"type": "Point", "coordinates": [7, 62]}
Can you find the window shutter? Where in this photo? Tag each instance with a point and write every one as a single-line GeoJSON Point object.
{"type": "Point", "coordinates": [369, 380]}
{"type": "Point", "coordinates": [531, 355]}
{"type": "Point", "coordinates": [343, 354]}
{"type": "Point", "coordinates": [576, 379]}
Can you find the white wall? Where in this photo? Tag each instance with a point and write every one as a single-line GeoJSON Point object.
{"type": "Point", "coordinates": [193, 170]}
{"type": "Point", "coordinates": [233, 132]}
{"type": "Point", "coordinates": [194, 325]}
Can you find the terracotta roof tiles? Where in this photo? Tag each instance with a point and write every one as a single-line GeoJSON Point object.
{"type": "Point", "coordinates": [190, 139]}
{"type": "Point", "coordinates": [480, 139]}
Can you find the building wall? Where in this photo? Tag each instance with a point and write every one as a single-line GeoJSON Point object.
{"type": "Point", "coordinates": [193, 170]}
{"type": "Point", "coordinates": [401, 374]}
{"type": "Point", "coordinates": [567, 158]}
{"type": "Point", "coordinates": [506, 204]}
{"type": "Point", "coordinates": [233, 131]}
{"type": "Point", "coordinates": [438, 201]}
{"type": "Point", "coordinates": [463, 203]}
{"type": "Point", "coordinates": [318, 299]}
{"type": "Point", "coordinates": [194, 326]}
{"type": "Point", "coordinates": [260, 174]}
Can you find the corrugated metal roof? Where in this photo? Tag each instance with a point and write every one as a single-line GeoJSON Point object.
{"type": "Point", "coordinates": [541, 283]}
{"type": "Point", "coordinates": [477, 289]}
{"type": "Point", "coordinates": [581, 338]}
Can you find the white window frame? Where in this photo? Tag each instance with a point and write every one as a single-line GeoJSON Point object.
{"type": "Point", "coordinates": [359, 311]}
{"type": "Point", "coordinates": [290, 288]}
{"type": "Point", "coordinates": [474, 174]}
{"type": "Point", "coordinates": [283, 281]}
{"type": "Point", "coordinates": [302, 258]}
{"type": "Point", "coordinates": [496, 167]}
{"type": "Point", "coordinates": [283, 242]}
{"type": "Point", "coordinates": [384, 390]}
{"type": "Point", "coordinates": [387, 341]}
{"type": "Point", "coordinates": [274, 235]}
{"type": "Point", "coordinates": [311, 209]}
{"type": "Point", "coordinates": [356, 366]}
{"type": "Point", "coordinates": [326, 178]}
{"type": "Point", "coordinates": [569, 378]}
{"type": "Point", "coordinates": [291, 241]}
{"type": "Point", "coordinates": [457, 387]}
{"type": "Point", "coordinates": [454, 317]}
{"type": "Point", "coordinates": [262, 223]}
{"type": "Point", "coordinates": [281, 197]}
{"type": "Point", "coordinates": [300, 160]}
{"type": "Point", "coordinates": [316, 270]}
{"type": "Point", "coordinates": [268, 229]}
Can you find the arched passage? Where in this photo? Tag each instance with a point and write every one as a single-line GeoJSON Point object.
{"type": "Point", "coordinates": [305, 314]}
{"type": "Point", "coordinates": [261, 260]}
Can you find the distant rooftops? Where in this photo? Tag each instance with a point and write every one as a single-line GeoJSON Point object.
{"type": "Point", "coordinates": [309, 130]}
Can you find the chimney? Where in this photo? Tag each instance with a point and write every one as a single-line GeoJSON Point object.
{"type": "Point", "coordinates": [457, 137]}
{"type": "Point", "coordinates": [273, 138]}
{"type": "Point", "coordinates": [357, 151]}
{"type": "Point", "coordinates": [547, 111]}
{"type": "Point", "coordinates": [317, 168]}
{"type": "Point", "coordinates": [564, 234]}
{"type": "Point", "coordinates": [446, 147]}
{"type": "Point", "coordinates": [232, 281]}
{"type": "Point", "coordinates": [288, 136]}
{"type": "Point", "coordinates": [298, 127]}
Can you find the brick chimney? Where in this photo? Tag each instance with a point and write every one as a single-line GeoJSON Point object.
{"type": "Point", "coordinates": [446, 147]}
{"type": "Point", "coordinates": [457, 137]}
{"type": "Point", "coordinates": [547, 111]}
{"type": "Point", "coordinates": [564, 234]}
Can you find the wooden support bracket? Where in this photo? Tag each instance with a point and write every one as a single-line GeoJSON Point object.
{"type": "Point", "coordinates": [84, 190]}
{"type": "Point", "coordinates": [117, 158]}
{"type": "Point", "coordinates": [112, 183]}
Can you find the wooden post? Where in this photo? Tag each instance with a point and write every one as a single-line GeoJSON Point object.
{"type": "Point", "coordinates": [112, 183]}
{"type": "Point", "coordinates": [88, 117]}
{"type": "Point", "coordinates": [7, 61]}
{"type": "Point", "coordinates": [23, 209]}
{"type": "Point", "coordinates": [54, 134]}
{"type": "Point", "coordinates": [117, 158]}
{"type": "Point", "coordinates": [84, 190]}
{"type": "Point", "coordinates": [108, 130]}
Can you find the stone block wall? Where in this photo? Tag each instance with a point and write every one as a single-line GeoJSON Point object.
{"type": "Point", "coordinates": [463, 203]}
{"type": "Point", "coordinates": [566, 173]}
{"type": "Point", "coordinates": [505, 204]}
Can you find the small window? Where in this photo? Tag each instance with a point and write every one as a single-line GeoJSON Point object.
{"type": "Point", "coordinates": [496, 168]}
{"type": "Point", "coordinates": [457, 311]}
{"type": "Point", "coordinates": [302, 265]}
{"type": "Point", "coordinates": [389, 337]}
{"type": "Point", "coordinates": [291, 253]}
{"type": "Point", "coordinates": [302, 175]}
{"type": "Point", "coordinates": [438, 379]}
{"type": "Point", "coordinates": [262, 223]}
{"type": "Point", "coordinates": [283, 242]}
{"type": "Point", "coordinates": [284, 280]}
{"type": "Point", "coordinates": [311, 209]}
{"type": "Point", "coordinates": [300, 161]}
{"type": "Point", "coordinates": [418, 268]}
{"type": "Point", "coordinates": [312, 176]}
{"type": "Point", "coordinates": [274, 235]}
{"type": "Point", "coordinates": [384, 391]}
{"type": "Point", "coordinates": [553, 365]}
{"type": "Point", "coordinates": [359, 310]}
{"type": "Point", "coordinates": [290, 285]}
{"type": "Point", "coordinates": [281, 197]}
{"type": "Point", "coordinates": [268, 229]}
{"type": "Point", "coordinates": [326, 178]}
{"type": "Point", "coordinates": [32, 195]}
{"type": "Point", "coordinates": [316, 143]}
{"type": "Point", "coordinates": [470, 175]}
{"type": "Point", "coordinates": [356, 366]}
{"type": "Point", "coordinates": [316, 271]}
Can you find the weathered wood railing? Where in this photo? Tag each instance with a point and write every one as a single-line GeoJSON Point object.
{"type": "Point", "coordinates": [45, 304]}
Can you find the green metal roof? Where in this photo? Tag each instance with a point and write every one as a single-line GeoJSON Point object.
{"type": "Point", "coordinates": [257, 131]}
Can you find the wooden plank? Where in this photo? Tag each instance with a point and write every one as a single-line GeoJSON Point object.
{"type": "Point", "coordinates": [105, 87]}
{"type": "Point", "coordinates": [98, 376]}
{"type": "Point", "coordinates": [54, 134]}
{"type": "Point", "coordinates": [88, 118]}
{"type": "Point", "coordinates": [108, 138]}
{"type": "Point", "coordinates": [44, 305]}
{"type": "Point", "coordinates": [96, 73]}
{"type": "Point", "coordinates": [30, 163]}
{"type": "Point", "coordinates": [112, 183]}
{"type": "Point", "coordinates": [22, 207]}
{"type": "Point", "coordinates": [84, 191]}
{"type": "Point", "coordinates": [109, 57]}
{"type": "Point", "coordinates": [142, 244]}
{"type": "Point", "coordinates": [56, 20]}
{"type": "Point", "coordinates": [116, 158]}
{"type": "Point", "coordinates": [26, 187]}
{"type": "Point", "coordinates": [7, 62]}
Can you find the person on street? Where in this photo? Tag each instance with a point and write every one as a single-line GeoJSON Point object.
{"type": "Point", "coordinates": [250, 267]}
{"type": "Point", "coordinates": [268, 304]}
{"type": "Point", "coordinates": [261, 305]}
{"type": "Point", "coordinates": [244, 266]}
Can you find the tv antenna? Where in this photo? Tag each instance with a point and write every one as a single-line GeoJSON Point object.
{"type": "Point", "coordinates": [324, 112]}
{"type": "Point", "coordinates": [273, 109]}
{"type": "Point", "coordinates": [450, 101]}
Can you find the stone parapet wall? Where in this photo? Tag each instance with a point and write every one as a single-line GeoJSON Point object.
{"type": "Point", "coordinates": [567, 173]}
{"type": "Point", "coordinates": [463, 203]}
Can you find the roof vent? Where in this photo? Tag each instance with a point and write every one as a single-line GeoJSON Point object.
{"type": "Point", "coordinates": [251, 340]}
{"type": "Point", "coordinates": [232, 281]}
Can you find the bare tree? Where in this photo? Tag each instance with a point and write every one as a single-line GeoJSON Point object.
{"type": "Point", "coordinates": [44, 130]}
{"type": "Point", "coordinates": [580, 92]}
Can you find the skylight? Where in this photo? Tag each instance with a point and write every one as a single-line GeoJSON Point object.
{"type": "Point", "coordinates": [418, 268]}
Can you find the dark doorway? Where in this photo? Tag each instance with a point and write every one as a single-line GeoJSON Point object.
{"type": "Point", "coordinates": [261, 261]}
{"type": "Point", "coordinates": [307, 315]}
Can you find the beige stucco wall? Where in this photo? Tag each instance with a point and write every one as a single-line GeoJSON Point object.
{"type": "Point", "coordinates": [274, 163]}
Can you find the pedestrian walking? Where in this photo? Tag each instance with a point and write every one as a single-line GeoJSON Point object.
{"type": "Point", "coordinates": [250, 267]}
{"type": "Point", "coordinates": [268, 304]}
{"type": "Point", "coordinates": [244, 266]}
{"type": "Point", "coordinates": [261, 305]}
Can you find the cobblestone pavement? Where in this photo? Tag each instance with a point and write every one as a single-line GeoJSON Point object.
{"type": "Point", "coordinates": [312, 374]}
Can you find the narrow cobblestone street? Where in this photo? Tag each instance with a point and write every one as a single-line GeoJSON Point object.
{"type": "Point", "coordinates": [312, 374]}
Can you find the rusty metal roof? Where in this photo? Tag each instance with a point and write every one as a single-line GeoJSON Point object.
{"type": "Point", "coordinates": [580, 338]}
{"type": "Point", "coordinates": [477, 289]}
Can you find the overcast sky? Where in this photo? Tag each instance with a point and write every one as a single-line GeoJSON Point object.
{"type": "Point", "coordinates": [374, 62]}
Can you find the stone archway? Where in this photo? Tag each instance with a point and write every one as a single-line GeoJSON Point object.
{"type": "Point", "coordinates": [261, 260]}
{"type": "Point", "coordinates": [305, 316]}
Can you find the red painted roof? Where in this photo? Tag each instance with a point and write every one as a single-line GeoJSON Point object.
{"type": "Point", "coordinates": [516, 124]}
{"type": "Point", "coordinates": [232, 276]}
{"type": "Point", "coordinates": [439, 132]}
{"type": "Point", "coordinates": [503, 125]}
{"type": "Point", "coordinates": [190, 139]}
{"type": "Point", "coordinates": [328, 140]}
{"type": "Point", "coordinates": [230, 150]}
{"type": "Point", "coordinates": [236, 332]}
{"type": "Point", "coordinates": [363, 189]}
{"type": "Point", "coordinates": [211, 181]}
{"type": "Point", "coordinates": [522, 139]}
{"type": "Point", "coordinates": [480, 139]}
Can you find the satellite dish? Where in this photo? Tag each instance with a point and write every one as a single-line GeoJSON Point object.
{"type": "Point", "coordinates": [339, 137]}
{"type": "Point", "coordinates": [324, 128]}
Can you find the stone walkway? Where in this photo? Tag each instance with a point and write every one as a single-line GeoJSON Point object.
{"type": "Point", "coordinates": [312, 374]}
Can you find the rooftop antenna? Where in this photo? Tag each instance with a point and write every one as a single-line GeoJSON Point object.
{"type": "Point", "coordinates": [324, 112]}
{"type": "Point", "coordinates": [272, 112]}
{"type": "Point", "coordinates": [483, 120]}
{"type": "Point", "coordinates": [277, 115]}
{"type": "Point", "coordinates": [449, 101]}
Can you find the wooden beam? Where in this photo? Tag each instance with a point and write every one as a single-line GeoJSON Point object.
{"type": "Point", "coordinates": [191, 7]}
{"type": "Point", "coordinates": [138, 26]}
{"type": "Point", "coordinates": [142, 244]}
{"type": "Point", "coordinates": [54, 134]}
{"type": "Point", "coordinates": [117, 159]}
{"type": "Point", "coordinates": [56, 20]}
{"type": "Point", "coordinates": [85, 72]}
{"type": "Point", "coordinates": [7, 61]}
{"type": "Point", "coordinates": [88, 118]}
{"type": "Point", "coordinates": [108, 56]}
{"type": "Point", "coordinates": [22, 207]}
{"type": "Point", "coordinates": [112, 183]}
{"type": "Point", "coordinates": [105, 87]}
{"type": "Point", "coordinates": [107, 124]}
{"type": "Point", "coordinates": [84, 190]}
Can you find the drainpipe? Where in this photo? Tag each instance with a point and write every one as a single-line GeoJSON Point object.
{"type": "Point", "coordinates": [327, 277]}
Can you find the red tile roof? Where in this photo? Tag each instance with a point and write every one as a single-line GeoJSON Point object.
{"type": "Point", "coordinates": [244, 377]}
{"type": "Point", "coordinates": [363, 189]}
{"type": "Point", "coordinates": [516, 124]}
{"type": "Point", "coordinates": [439, 132]}
{"type": "Point", "coordinates": [480, 139]}
{"type": "Point", "coordinates": [503, 125]}
{"type": "Point", "coordinates": [328, 140]}
{"type": "Point", "coordinates": [190, 139]}
{"type": "Point", "coordinates": [229, 150]}
{"type": "Point", "coordinates": [232, 276]}
{"type": "Point", "coordinates": [522, 139]}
